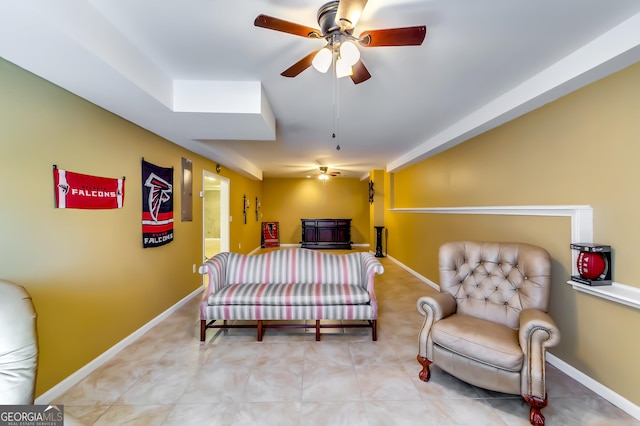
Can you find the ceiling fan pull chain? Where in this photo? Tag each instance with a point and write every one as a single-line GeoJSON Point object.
{"type": "Point", "coordinates": [338, 111]}
{"type": "Point", "coordinates": [334, 112]}
{"type": "Point", "coordinates": [336, 101]}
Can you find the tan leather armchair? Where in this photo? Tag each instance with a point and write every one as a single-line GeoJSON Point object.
{"type": "Point", "coordinates": [18, 345]}
{"type": "Point", "coordinates": [488, 326]}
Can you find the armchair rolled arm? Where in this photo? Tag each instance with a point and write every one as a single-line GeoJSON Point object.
{"type": "Point", "coordinates": [537, 328]}
{"type": "Point", "coordinates": [433, 308]}
{"type": "Point", "coordinates": [537, 332]}
{"type": "Point", "coordinates": [438, 306]}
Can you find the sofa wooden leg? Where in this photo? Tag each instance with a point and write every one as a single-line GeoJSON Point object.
{"type": "Point", "coordinates": [535, 415]}
{"type": "Point", "coordinates": [203, 330]}
{"type": "Point", "coordinates": [317, 330]}
{"type": "Point", "coordinates": [425, 373]}
{"type": "Point", "coordinates": [374, 330]}
{"type": "Point", "coordinates": [260, 330]}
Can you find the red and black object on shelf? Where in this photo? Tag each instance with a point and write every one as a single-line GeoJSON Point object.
{"type": "Point", "coordinates": [593, 264]}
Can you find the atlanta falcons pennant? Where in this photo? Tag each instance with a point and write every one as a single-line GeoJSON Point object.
{"type": "Point", "coordinates": [78, 191]}
{"type": "Point", "coordinates": [157, 205]}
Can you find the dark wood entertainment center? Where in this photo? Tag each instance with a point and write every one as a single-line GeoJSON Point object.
{"type": "Point", "coordinates": [326, 234]}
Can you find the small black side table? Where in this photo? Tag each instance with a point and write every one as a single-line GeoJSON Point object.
{"type": "Point", "coordinates": [379, 241]}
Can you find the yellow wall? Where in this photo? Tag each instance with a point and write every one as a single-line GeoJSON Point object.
{"type": "Point", "coordinates": [93, 284]}
{"type": "Point", "coordinates": [581, 149]}
{"type": "Point", "coordinates": [288, 200]}
{"type": "Point", "coordinates": [244, 237]}
{"type": "Point", "coordinates": [91, 281]}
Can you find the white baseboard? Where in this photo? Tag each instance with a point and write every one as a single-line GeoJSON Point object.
{"type": "Point", "coordinates": [83, 372]}
{"type": "Point", "coordinates": [611, 396]}
{"type": "Point", "coordinates": [600, 389]}
{"type": "Point", "coordinates": [414, 273]}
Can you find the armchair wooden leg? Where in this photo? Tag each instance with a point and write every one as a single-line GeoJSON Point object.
{"type": "Point", "coordinates": [425, 373]}
{"type": "Point", "coordinates": [535, 415]}
{"type": "Point", "coordinates": [203, 330]}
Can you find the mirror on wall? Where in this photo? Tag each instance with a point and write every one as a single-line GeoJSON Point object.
{"type": "Point", "coordinates": [186, 200]}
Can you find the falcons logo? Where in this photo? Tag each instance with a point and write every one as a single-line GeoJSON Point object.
{"type": "Point", "coordinates": [64, 187]}
{"type": "Point", "coordinates": [160, 192]}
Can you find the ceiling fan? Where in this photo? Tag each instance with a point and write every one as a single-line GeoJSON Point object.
{"type": "Point", "coordinates": [337, 20]}
{"type": "Point", "coordinates": [325, 173]}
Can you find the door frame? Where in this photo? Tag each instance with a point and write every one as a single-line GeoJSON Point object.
{"type": "Point", "coordinates": [224, 210]}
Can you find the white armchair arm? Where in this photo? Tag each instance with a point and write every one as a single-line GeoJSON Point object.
{"type": "Point", "coordinates": [433, 308]}
{"type": "Point", "coordinates": [537, 332]}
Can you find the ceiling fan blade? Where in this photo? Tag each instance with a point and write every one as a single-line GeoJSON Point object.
{"type": "Point", "coordinates": [348, 13]}
{"type": "Point", "coordinates": [360, 73]}
{"type": "Point", "coordinates": [408, 36]}
{"type": "Point", "coordinates": [299, 66]}
{"type": "Point", "coordinates": [271, 23]}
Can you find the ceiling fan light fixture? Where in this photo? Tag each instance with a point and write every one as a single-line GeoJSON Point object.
{"type": "Point", "coordinates": [323, 177]}
{"type": "Point", "coordinates": [349, 53]}
{"type": "Point", "coordinates": [322, 60]}
{"type": "Point", "coordinates": [348, 13]}
{"type": "Point", "coordinates": [343, 69]}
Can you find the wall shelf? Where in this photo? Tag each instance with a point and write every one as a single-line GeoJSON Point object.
{"type": "Point", "coordinates": [581, 232]}
{"type": "Point", "coordinates": [616, 292]}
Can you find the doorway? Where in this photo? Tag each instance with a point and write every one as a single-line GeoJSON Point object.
{"type": "Point", "coordinates": [215, 214]}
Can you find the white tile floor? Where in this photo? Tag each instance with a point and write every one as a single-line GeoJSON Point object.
{"type": "Point", "coordinates": [168, 377]}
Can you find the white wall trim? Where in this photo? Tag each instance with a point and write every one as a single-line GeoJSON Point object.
{"type": "Point", "coordinates": [73, 379]}
{"type": "Point", "coordinates": [611, 396]}
{"type": "Point", "coordinates": [597, 387]}
{"type": "Point", "coordinates": [581, 215]}
{"type": "Point", "coordinates": [581, 232]}
{"type": "Point", "coordinates": [616, 292]}
{"type": "Point", "coordinates": [414, 273]}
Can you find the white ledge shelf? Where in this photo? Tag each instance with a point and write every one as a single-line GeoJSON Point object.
{"type": "Point", "coordinates": [581, 215]}
{"type": "Point", "coordinates": [581, 232]}
{"type": "Point", "coordinates": [616, 292]}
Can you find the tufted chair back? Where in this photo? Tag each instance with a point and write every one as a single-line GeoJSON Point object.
{"type": "Point", "coordinates": [489, 325]}
{"type": "Point", "coordinates": [495, 281]}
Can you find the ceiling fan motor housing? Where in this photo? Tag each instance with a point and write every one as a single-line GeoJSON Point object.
{"type": "Point", "coordinates": [327, 18]}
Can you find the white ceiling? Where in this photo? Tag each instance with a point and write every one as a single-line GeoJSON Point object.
{"type": "Point", "coordinates": [199, 73]}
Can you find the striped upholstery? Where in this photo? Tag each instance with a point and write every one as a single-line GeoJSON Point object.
{"type": "Point", "coordinates": [290, 284]}
{"type": "Point", "coordinates": [294, 266]}
{"type": "Point", "coordinates": [289, 295]}
{"type": "Point", "coordinates": [261, 312]}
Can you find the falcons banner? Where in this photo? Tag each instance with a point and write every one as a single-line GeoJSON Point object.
{"type": "Point", "coordinates": [157, 205]}
{"type": "Point", "coordinates": [78, 191]}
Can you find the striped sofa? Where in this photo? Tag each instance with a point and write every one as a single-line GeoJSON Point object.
{"type": "Point", "coordinates": [292, 284]}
